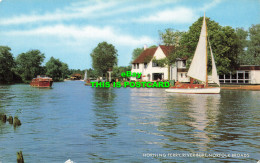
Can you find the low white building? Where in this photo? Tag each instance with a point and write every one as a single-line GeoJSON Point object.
{"type": "Point", "coordinates": [245, 74]}
{"type": "Point", "coordinates": [151, 71]}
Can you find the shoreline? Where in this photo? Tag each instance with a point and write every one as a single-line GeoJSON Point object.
{"type": "Point", "coordinates": [241, 87]}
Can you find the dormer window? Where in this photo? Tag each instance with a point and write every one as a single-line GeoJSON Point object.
{"type": "Point", "coordinates": [145, 65]}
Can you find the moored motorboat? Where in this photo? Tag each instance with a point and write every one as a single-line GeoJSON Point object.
{"type": "Point", "coordinates": [42, 81]}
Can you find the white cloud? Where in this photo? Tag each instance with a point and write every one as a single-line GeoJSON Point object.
{"type": "Point", "coordinates": [85, 34]}
{"type": "Point", "coordinates": [176, 15]}
{"type": "Point", "coordinates": [81, 10]}
{"type": "Point", "coordinates": [207, 6]}
{"type": "Point", "coordinates": [86, 10]}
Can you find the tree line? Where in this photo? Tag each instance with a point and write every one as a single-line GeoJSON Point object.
{"type": "Point", "coordinates": [28, 65]}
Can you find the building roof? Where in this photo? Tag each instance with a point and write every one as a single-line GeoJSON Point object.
{"type": "Point", "coordinates": [167, 49]}
{"type": "Point", "coordinates": [148, 54]}
{"type": "Point", "coordinates": [249, 67]}
{"type": "Point", "coordinates": [76, 75]}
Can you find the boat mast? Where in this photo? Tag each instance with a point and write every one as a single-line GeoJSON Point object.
{"type": "Point", "coordinates": [206, 85]}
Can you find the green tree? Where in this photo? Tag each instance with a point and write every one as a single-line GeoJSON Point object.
{"type": "Point", "coordinates": [117, 71]}
{"type": "Point", "coordinates": [104, 56]}
{"type": "Point", "coordinates": [29, 64]}
{"type": "Point", "coordinates": [153, 46]}
{"type": "Point", "coordinates": [253, 51]}
{"type": "Point", "coordinates": [170, 37]}
{"type": "Point", "coordinates": [223, 40]}
{"type": "Point", "coordinates": [7, 65]}
{"type": "Point", "coordinates": [92, 73]}
{"type": "Point", "coordinates": [65, 70]}
{"type": "Point", "coordinates": [136, 53]}
{"type": "Point", "coordinates": [242, 45]}
{"type": "Point", "coordinates": [54, 69]}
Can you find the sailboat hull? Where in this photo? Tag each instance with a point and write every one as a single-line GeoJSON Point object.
{"type": "Point", "coordinates": [215, 90]}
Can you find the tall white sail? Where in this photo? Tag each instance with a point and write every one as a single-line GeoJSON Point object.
{"type": "Point", "coordinates": [214, 68]}
{"type": "Point", "coordinates": [198, 65]}
{"type": "Point", "coordinates": [85, 76]}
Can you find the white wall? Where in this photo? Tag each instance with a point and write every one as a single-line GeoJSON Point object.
{"type": "Point", "coordinates": [255, 77]}
{"type": "Point", "coordinates": [182, 77]}
{"type": "Point", "coordinates": [150, 69]}
{"type": "Point", "coordinates": [180, 64]}
{"type": "Point", "coordinates": [140, 69]}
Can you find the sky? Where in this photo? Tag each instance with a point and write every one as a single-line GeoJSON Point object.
{"type": "Point", "coordinates": [70, 29]}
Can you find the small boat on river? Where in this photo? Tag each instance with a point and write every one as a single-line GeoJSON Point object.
{"type": "Point", "coordinates": [42, 81]}
{"type": "Point", "coordinates": [198, 69]}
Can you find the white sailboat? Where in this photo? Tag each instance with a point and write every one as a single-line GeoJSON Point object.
{"type": "Point", "coordinates": [198, 67]}
{"type": "Point", "coordinates": [85, 76]}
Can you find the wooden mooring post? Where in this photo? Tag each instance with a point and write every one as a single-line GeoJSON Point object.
{"type": "Point", "coordinates": [20, 157]}
{"type": "Point", "coordinates": [10, 120]}
{"type": "Point", "coordinates": [17, 122]}
{"type": "Point", "coordinates": [3, 118]}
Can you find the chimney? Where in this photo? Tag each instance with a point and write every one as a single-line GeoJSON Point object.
{"type": "Point", "coordinates": [145, 47]}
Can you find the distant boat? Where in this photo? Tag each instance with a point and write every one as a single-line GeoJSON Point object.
{"type": "Point", "coordinates": [41, 81]}
{"type": "Point", "coordinates": [85, 76]}
{"type": "Point", "coordinates": [198, 69]}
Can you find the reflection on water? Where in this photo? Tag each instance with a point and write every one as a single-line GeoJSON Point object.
{"type": "Point", "coordinates": [203, 111]}
{"type": "Point", "coordinates": [123, 124]}
{"type": "Point", "coordinates": [105, 115]}
{"type": "Point", "coordinates": [189, 120]}
{"type": "Point", "coordinates": [105, 120]}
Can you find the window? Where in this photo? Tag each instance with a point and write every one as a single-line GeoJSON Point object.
{"type": "Point", "coordinates": [137, 65]}
{"type": "Point", "coordinates": [183, 63]}
{"type": "Point", "coordinates": [157, 76]}
{"type": "Point", "coordinates": [134, 66]}
{"type": "Point", "coordinates": [246, 74]}
{"type": "Point", "coordinates": [240, 75]}
{"type": "Point", "coordinates": [181, 75]}
{"type": "Point", "coordinates": [236, 77]}
{"type": "Point", "coordinates": [155, 64]}
{"type": "Point", "coordinates": [145, 65]}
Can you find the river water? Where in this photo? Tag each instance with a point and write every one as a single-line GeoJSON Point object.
{"type": "Point", "coordinates": [84, 124]}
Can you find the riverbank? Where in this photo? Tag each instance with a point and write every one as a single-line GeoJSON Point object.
{"type": "Point", "coordinates": [132, 84]}
{"type": "Point", "coordinates": [241, 87]}
{"type": "Point", "coordinates": [228, 87]}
